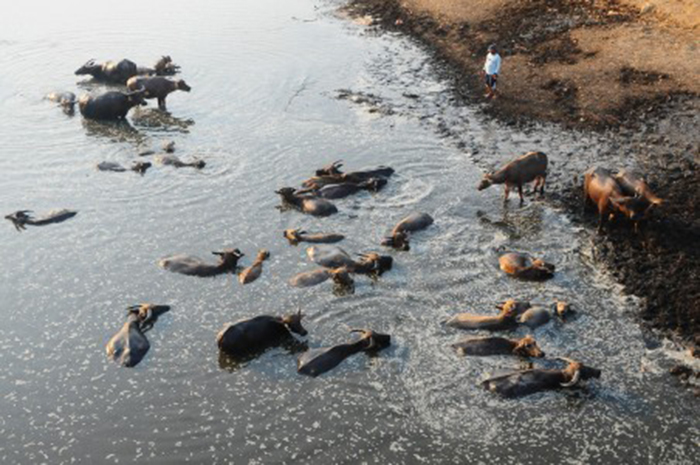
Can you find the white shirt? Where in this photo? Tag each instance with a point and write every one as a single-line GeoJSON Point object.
{"type": "Point", "coordinates": [493, 63]}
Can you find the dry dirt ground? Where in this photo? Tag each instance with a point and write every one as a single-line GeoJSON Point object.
{"type": "Point", "coordinates": [630, 68]}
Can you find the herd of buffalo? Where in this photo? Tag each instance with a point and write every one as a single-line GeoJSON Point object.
{"type": "Point", "coordinates": [621, 194]}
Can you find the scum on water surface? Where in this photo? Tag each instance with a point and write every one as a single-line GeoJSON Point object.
{"type": "Point", "coordinates": [417, 401]}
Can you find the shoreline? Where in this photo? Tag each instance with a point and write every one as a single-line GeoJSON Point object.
{"type": "Point", "coordinates": [654, 118]}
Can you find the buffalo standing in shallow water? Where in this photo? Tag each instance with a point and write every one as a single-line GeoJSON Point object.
{"type": "Point", "coordinates": [21, 218]}
{"type": "Point", "coordinates": [530, 167]}
{"type": "Point", "coordinates": [163, 67]}
{"type": "Point", "coordinates": [318, 361]}
{"type": "Point", "coordinates": [157, 87]}
{"type": "Point", "coordinates": [246, 337]}
{"type": "Point", "coordinates": [525, 382]}
{"type": "Point", "coordinates": [195, 266]}
{"type": "Point", "coordinates": [110, 105]}
{"type": "Point", "coordinates": [110, 71]}
{"type": "Point", "coordinates": [401, 232]}
{"type": "Point", "coordinates": [130, 345]}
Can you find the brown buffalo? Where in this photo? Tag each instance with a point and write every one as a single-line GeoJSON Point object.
{"type": "Point", "coordinates": [530, 167]}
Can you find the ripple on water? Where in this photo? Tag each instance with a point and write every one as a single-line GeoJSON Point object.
{"type": "Point", "coordinates": [263, 115]}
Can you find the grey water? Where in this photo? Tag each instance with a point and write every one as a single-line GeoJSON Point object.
{"type": "Point", "coordinates": [264, 113]}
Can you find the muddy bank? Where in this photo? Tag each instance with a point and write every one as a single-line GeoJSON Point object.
{"type": "Point", "coordinates": [561, 53]}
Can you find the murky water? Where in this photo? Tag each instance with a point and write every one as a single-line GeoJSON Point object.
{"type": "Point", "coordinates": [263, 114]}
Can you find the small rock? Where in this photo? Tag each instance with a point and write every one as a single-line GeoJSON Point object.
{"type": "Point", "coordinates": [647, 8]}
{"type": "Point", "coordinates": [169, 146]}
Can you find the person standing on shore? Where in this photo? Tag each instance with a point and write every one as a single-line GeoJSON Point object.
{"type": "Point", "coordinates": [491, 69]}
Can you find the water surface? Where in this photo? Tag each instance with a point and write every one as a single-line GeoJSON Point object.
{"type": "Point", "coordinates": [263, 113]}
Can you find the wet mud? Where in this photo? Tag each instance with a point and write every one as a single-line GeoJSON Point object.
{"type": "Point", "coordinates": [653, 127]}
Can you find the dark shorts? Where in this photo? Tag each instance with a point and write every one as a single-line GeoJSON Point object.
{"type": "Point", "coordinates": [491, 80]}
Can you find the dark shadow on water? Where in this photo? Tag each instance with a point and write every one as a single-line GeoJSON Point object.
{"type": "Point", "coordinates": [98, 87]}
{"type": "Point", "coordinates": [115, 131]}
{"type": "Point", "coordinates": [516, 222]}
{"type": "Point", "coordinates": [158, 120]}
{"type": "Point", "coordinates": [232, 363]}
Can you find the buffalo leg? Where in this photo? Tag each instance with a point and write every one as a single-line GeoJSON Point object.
{"type": "Point", "coordinates": [161, 103]}
{"type": "Point", "coordinates": [507, 191]}
{"type": "Point", "coordinates": [520, 193]}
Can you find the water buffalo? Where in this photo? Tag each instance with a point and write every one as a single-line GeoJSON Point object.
{"type": "Point", "coordinates": [163, 67]}
{"type": "Point", "coordinates": [249, 336]}
{"type": "Point", "coordinates": [530, 167]}
{"type": "Point", "coordinates": [332, 175]}
{"type": "Point", "coordinates": [21, 218]}
{"type": "Point", "coordinates": [517, 306]}
{"type": "Point", "coordinates": [110, 105]}
{"type": "Point", "coordinates": [253, 272]}
{"type": "Point", "coordinates": [342, 190]}
{"type": "Point", "coordinates": [525, 267]}
{"type": "Point", "coordinates": [110, 71]}
{"type": "Point", "coordinates": [340, 276]}
{"type": "Point", "coordinates": [506, 319]}
{"type": "Point", "coordinates": [157, 87]}
{"type": "Point", "coordinates": [318, 361]}
{"type": "Point", "coordinates": [130, 345]}
{"type": "Point", "coordinates": [307, 204]}
{"type": "Point", "coordinates": [538, 316]}
{"type": "Point", "coordinates": [601, 188]}
{"type": "Point", "coordinates": [525, 382]}
{"type": "Point", "coordinates": [524, 347]}
{"type": "Point", "coordinates": [331, 256]}
{"type": "Point", "coordinates": [194, 266]}
{"type": "Point", "coordinates": [401, 232]}
{"type": "Point", "coordinates": [331, 170]}
{"type": "Point", "coordinates": [138, 166]}
{"type": "Point", "coordinates": [295, 236]}
{"type": "Point", "coordinates": [632, 184]}
{"type": "Point", "coordinates": [367, 174]}
{"type": "Point", "coordinates": [65, 99]}
{"type": "Point", "coordinates": [173, 160]}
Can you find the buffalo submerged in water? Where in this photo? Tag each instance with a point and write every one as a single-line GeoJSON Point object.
{"type": "Point", "coordinates": [130, 345]}
{"type": "Point", "coordinates": [21, 218]}
{"type": "Point", "coordinates": [525, 382]}
{"type": "Point", "coordinates": [331, 256]}
{"type": "Point", "coordinates": [246, 337]}
{"type": "Point", "coordinates": [318, 361]}
{"type": "Point", "coordinates": [402, 231]}
{"type": "Point", "coordinates": [195, 266]}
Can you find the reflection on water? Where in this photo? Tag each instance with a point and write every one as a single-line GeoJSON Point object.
{"type": "Point", "coordinates": [114, 131]}
{"type": "Point", "coordinates": [287, 351]}
{"type": "Point", "coordinates": [158, 120]}
{"type": "Point", "coordinates": [266, 117]}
